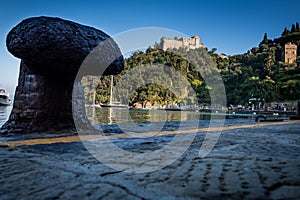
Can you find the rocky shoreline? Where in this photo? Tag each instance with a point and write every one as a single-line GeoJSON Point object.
{"type": "Point", "coordinates": [260, 162]}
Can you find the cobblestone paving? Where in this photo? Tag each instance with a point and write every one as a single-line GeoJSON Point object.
{"type": "Point", "coordinates": [254, 163]}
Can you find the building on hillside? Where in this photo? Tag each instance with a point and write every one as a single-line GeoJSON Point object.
{"type": "Point", "coordinates": [187, 43]}
{"type": "Point", "coordinates": [223, 56]}
{"type": "Point", "coordinates": [289, 54]}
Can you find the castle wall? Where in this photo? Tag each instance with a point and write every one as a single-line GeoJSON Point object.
{"type": "Point", "coordinates": [188, 43]}
{"type": "Point", "coordinates": [170, 44]}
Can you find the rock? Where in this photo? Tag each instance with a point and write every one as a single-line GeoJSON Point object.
{"type": "Point", "coordinates": [55, 47]}
{"type": "Point", "coordinates": [55, 54]}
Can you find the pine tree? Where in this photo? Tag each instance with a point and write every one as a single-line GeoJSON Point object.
{"type": "Point", "coordinates": [265, 40]}
{"type": "Point", "coordinates": [297, 27]}
{"type": "Point", "coordinates": [293, 28]}
{"type": "Point", "coordinates": [285, 32]}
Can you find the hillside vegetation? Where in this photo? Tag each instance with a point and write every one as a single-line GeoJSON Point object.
{"type": "Point", "coordinates": [260, 73]}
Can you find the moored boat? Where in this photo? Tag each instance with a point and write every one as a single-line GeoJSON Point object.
{"type": "Point", "coordinates": [114, 105]}
{"type": "Point", "coordinates": [111, 103]}
{"type": "Point", "coordinates": [4, 98]}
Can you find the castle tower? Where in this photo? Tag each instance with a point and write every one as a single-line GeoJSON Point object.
{"type": "Point", "coordinates": [290, 53]}
{"type": "Point", "coordinates": [197, 40]}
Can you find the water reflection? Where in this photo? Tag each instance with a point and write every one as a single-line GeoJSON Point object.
{"type": "Point", "coordinates": [126, 116]}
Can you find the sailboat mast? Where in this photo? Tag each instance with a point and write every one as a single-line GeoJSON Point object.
{"type": "Point", "coordinates": [111, 89]}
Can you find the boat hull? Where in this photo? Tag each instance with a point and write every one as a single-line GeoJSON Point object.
{"type": "Point", "coordinates": [5, 102]}
{"type": "Point", "coordinates": [4, 98]}
{"type": "Point", "coordinates": [171, 109]}
{"type": "Point", "coordinates": [113, 106]}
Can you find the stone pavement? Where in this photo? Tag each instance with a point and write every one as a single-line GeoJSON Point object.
{"type": "Point", "coordinates": [260, 162]}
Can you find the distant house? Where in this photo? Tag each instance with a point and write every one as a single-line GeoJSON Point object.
{"type": "Point", "coordinates": [289, 54]}
{"type": "Point", "coordinates": [224, 56]}
{"type": "Point", "coordinates": [187, 43]}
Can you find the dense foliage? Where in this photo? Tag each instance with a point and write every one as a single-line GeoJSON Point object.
{"type": "Point", "coordinates": [159, 77]}
{"type": "Point", "coordinates": [261, 73]}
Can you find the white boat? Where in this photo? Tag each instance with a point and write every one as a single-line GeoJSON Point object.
{"type": "Point", "coordinates": [111, 103]}
{"type": "Point", "coordinates": [4, 98]}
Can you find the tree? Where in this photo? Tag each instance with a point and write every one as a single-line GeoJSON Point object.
{"type": "Point", "coordinates": [265, 40]}
{"type": "Point", "coordinates": [156, 45]}
{"type": "Point", "coordinates": [285, 32]}
{"type": "Point", "coordinates": [293, 28]}
{"type": "Point", "coordinates": [213, 50]}
{"type": "Point", "coordinates": [255, 50]}
{"type": "Point", "coordinates": [297, 27]}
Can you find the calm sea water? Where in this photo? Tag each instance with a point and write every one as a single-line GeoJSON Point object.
{"type": "Point", "coordinates": [129, 118]}
{"type": "Point", "coordinates": [126, 116]}
{"type": "Point", "coordinates": [116, 120]}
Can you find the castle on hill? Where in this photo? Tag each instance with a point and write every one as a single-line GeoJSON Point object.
{"type": "Point", "coordinates": [186, 43]}
{"type": "Point", "coordinates": [289, 52]}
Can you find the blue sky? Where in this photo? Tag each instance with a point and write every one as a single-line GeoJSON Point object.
{"type": "Point", "coordinates": [230, 26]}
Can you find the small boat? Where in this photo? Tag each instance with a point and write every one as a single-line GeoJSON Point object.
{"type": "Point", "coordinates": [113, 104]}
{"type": "Point", "coordinates": [173, 109]}
{"type": "Point", "coordinates": [146, 109]}
{"type": "Point", "coordinates": [4, 98]}
{"type": "Point", "coordinates": [262, 118]}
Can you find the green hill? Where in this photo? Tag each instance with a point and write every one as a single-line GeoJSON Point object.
{"type": "Point", "coordinates": [259, 73]}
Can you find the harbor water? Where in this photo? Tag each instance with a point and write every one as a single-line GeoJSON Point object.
{"type": "Point", "coordinates": [120, 120]}
{"type": "Point", "coordinates": [4, 114]}
{"type": "Point", "coordinates": [152, 118]}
